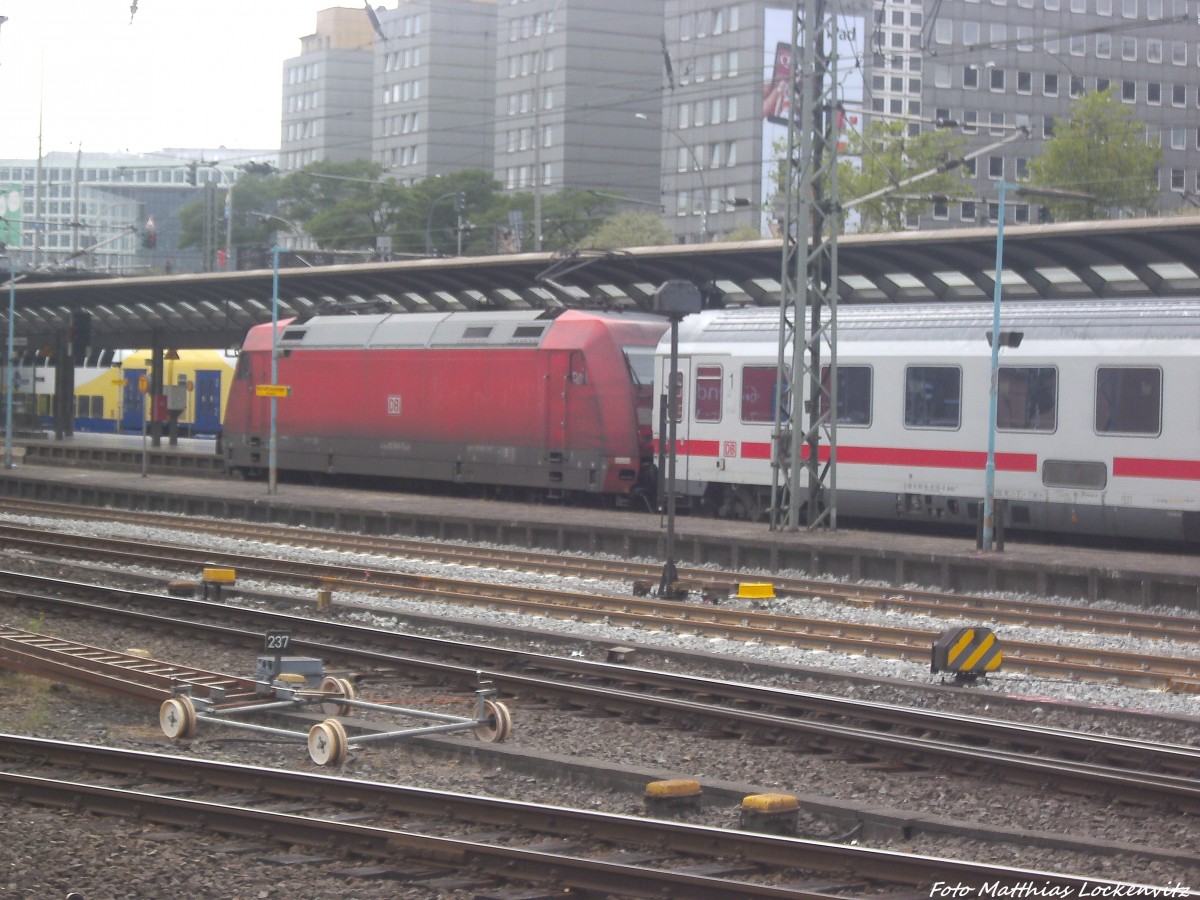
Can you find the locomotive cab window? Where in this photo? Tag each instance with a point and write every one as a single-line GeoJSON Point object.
{"type": "Point", "coordinates": [853, 394]}
{"type": "Point", "coordinates": [932, 397]}
{"type": "Point", "coordinates": [708, 393]}
{"type": "Point", "coordinates": [759, 394]}
{"type": "Point", "coordinates": [640, 361]}
{"type": "Point", "coordinates": [1128, 400]}
{"type": "Point", "coordinates": [1027, 398]}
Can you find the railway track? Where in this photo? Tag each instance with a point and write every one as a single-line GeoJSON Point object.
{"type": "Point", "coordinates": [1129, 771]}
{"type": "Point", "coordinates": [712, 584]}
{"type": "Point", "coordinates": [430, 834]}
{"type": "Point", "coordinates": [1178, 673]}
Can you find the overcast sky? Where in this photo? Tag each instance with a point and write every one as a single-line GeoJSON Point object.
{"type": "Point", "coordinates": [181, 74]}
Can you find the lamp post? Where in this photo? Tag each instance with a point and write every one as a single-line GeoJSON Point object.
{"type": "Point", "coordinates": [989, 492]}
{"type": "Point", "coordinates": [675, 299]}
{"type": "Point", "coordinates": [699, 169]}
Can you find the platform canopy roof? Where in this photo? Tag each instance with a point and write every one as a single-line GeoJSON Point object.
{"type": "Point", "coordinates": [1144, 257]}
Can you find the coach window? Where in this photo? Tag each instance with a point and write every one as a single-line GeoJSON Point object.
{"type": "Point", "coordinates": [708, 393]}
{"type": "Point", "coordinates": [758, 394]}
{"type": "Point", "coordinates": [853, 394]}
{"type": "Point", "coordinates": [1027, 398]}
{"type": "Point", "coordinates": [1128, 400]}
{"type": "Point", "coordinates": [932, 397]}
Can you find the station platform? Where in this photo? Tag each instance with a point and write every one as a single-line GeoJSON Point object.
{"type": "Point", "coordinates": [947, 562]}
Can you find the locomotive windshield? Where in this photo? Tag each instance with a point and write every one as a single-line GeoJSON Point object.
{"type": "Point", "coordinates": [640, 361]}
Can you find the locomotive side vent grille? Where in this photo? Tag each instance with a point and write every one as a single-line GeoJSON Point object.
{"type": "Point", "coordinates": [294, 334]}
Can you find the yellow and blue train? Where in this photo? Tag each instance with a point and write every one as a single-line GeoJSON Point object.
{"type": "Point", "coordinates": [108, 395]}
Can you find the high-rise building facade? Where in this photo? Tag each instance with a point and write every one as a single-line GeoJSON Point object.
{"type": "Point", "coordinates": [326, 111]}
{"type": "Point", "coordinates": [998, 69]}
{"type": "Point", "coordinates": [433, 93]}
{"type": "Point", "coordinates": [681, 105]}
{"type": "Point", "coordinates": [572, 78]}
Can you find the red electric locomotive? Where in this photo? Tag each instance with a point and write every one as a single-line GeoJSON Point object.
{"type": "Point", "coordinates": [553, 403]}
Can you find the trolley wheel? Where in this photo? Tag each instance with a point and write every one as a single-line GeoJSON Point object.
{"type": "Point", "coordinates": [177, 718]}
{"type": "Point", "coordinates": [341, 686]}
{"type": "Point", "coordinates": [498, 723]}
{"type": "Point", "coordinates": [327, 744]}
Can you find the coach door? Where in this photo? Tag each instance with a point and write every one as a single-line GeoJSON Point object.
{"type": "Point", "coordinates": [207, 398]}
{"type": "Point", "coordinates": [683, 419]}
{"type": "Point", "coordinates": [133, 402]}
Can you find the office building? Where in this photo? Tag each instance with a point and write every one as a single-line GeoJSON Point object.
{"type": "Point", "coordinates": [115, 213]}
{"type": "Point", "coordinates": [999, 68]}
{"type": "Point", "coordinates": [433, 93]}
{"type": "Point", "coordinates": [326, 109]}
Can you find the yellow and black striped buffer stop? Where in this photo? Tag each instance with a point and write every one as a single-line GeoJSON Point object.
{"type": "Point", "coordinates": [966, 651]}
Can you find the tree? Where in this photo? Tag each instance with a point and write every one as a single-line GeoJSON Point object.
{"type": "Point", "coordinates": [251, 194]}
{"type": "Point", "coordinates": [884, 154]}
{"type": "Point", "coordinates": [743, 232]}
{"type": "Point", "coordinates": [1101, 150]}
{"type": "Point", "coordinates": [629, 229]}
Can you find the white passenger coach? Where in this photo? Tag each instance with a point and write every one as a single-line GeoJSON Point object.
{"type": "Point", "coordinates": [1098, 417]}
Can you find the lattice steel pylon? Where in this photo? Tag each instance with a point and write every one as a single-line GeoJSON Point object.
{"type": "Point", "coordinates": [808, 280]}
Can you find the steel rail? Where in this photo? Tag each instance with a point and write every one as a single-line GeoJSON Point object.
{"type": "Point", "coordinates": [793, 716]}
{"type": "Point", "coordinates": [704, 580]}
{"type": "Point", "coordinates": [787, 854]}
{"type": "Point", "coordinates": [1056, 660]}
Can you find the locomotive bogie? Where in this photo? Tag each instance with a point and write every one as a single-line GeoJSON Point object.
{"type": "Point", "coordinates": [1097, 424]}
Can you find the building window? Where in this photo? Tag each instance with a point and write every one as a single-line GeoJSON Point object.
{"type": "Point", "coordinates": [1129, 91]}
{"type": "Point", "coordinates": [997, 79]}
{"type": "Point", "coordinates": [996, 122]}
{"type": "Point", "coordinates": [1076, 86]}
{"type": "Point", "coordinates": [1050, 84]}
{"type": "Point", "coordinates": [996, 167]}
{"type": "Point", "coordinates": [1129, 48]}
{"type": "Point", "coordinates": [1154, 93]}
{"type": "Point", "coordinates": [1154, 50]}
{"type": "Point", "coordinates": [1177, 180]}
{"type": "Point", "coordinates": [1104, 46]}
